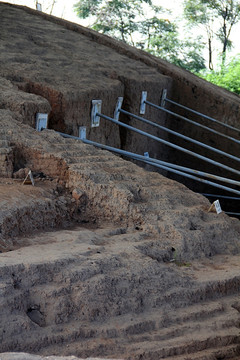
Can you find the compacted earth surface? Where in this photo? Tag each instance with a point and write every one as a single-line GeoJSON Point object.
{"type": "Point", "coordinates": [100, 258]}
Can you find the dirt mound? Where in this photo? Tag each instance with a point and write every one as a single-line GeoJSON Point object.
{"type": "Point", "coordinates": [124, 282]}
{"type": "Point", "coordinates": [94, 293]}
{"type": "Point", "coordinates": [101, 257]}
{"type": "Point", "coordinates": [105, 188]}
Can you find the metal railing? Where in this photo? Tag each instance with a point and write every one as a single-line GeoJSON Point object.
{"type": "Point", "coordinates": [156, 163]}
{"type": "Point", "coordinates": [165, 99]}
{"type": "Point", "coordinates": [118, 110]}
{"type": "Point", "coordinates": [193, 174]}
{"type": "Point", "coordinates": [95, 121]}
{"type": "Point", "coordinates": [144, 102]}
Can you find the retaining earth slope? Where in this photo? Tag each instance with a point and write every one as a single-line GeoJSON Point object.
{"type": "Point", "coordinates": [101, 257]}
{"type": "Point", "coordinates": [126, 283]}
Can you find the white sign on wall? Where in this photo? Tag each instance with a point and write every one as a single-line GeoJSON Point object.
{"type": "Point", "coordinates": [41, 121]}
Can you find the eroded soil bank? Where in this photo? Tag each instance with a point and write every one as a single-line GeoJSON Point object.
{"type": "Point", "coordinates": [102, 258]}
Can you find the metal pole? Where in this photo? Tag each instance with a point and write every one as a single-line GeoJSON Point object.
{"type": "Point", "coordinates": [192, 122]}
{"type": "Point", "coordinates": [194, 172]}
{"type": "Point", "coordinates": [192, 177]}
{"type": "Point", "coordinates": [222, 196]}
{"type": "Point", "coordinates": [144, 159]}
{"type": "Point", "coordinates": [231, 213]}
{"type": "Point", "coordinates": [180, 135]}
{"type": "Point", "coordinates": [202, 115]}
{"type": "Point", "coordinates": [160, 162]}
{"type": "Point", "coordinates": [170, 144]}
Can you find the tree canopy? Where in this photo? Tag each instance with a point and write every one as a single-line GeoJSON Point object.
{"type": "Point", "coordinates": [227, 76]}
{"type": "Point", "coordinates": [217, 17]}
{"type": "Point", "coordinates": [117, 18]}
{"type": "Point", "coordinates": [126, 20]}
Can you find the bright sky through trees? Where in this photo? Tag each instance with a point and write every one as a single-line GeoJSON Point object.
{"type": "Point", "coordinates": [64, 9]}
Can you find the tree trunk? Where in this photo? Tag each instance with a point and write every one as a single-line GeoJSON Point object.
{"type": "Point", "coordinates": [210, 64]}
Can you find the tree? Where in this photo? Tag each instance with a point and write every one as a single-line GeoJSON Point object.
{"type": "Point", "coordinates": [117, 18]}
{"type": "Point", "coordinates": [126, 20]}
{"type": "Point", "coordinates": [217, 17]}
{"type": "Point", "coordinates": [162, 39]}
{"type": "Point", "coordinates": [227, 76]}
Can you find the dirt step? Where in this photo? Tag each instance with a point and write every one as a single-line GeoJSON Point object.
{"type": "Point", "coordinates": [226, 352]}
{"type": "Point", "coordinates": [192, 328]}
{"type": "Point", "coordinates": [209, 317]}
{"type": "Point", "coordinates": [64, 145]}
{"type": "Point", "coordinates": [187, 344]}
{"type": "Point", "coordinates": [104, 163]}
{"type": "Point", "coordinates": [113, 170]}
{"type": "Point", "coordinates": [85, 154]}
{"type": "Point", "coordinates": [74, 145]}
{"type": "Point", "coordinates": [31, 215]}
{"type": "Point", "coordinates": [83, 343]}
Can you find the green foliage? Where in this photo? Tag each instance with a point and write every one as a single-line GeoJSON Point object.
{"type": "Point", "coordinates": [227, 76]}
{"type": "Point", "coordinates": [86, 8]}
{"type": "Point", "coordinates": [117, 18]}
{"type": "Point", "coordinates": [126, 20]}
{"type": "Point", "coordinates": [196, 12]}
{"type": "Point", "coordinates": [183, 53]}
{"type": "Point", "coordinates": [217, 17]}
{"type": "Point", "coordinates": [161, 38]}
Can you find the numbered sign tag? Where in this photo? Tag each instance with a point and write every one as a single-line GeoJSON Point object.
{"type": "Point", "coordinates": [41, 121]}
{"type": "Point", "coordinates": [29, 179]}
{"type": "Point", "coordinates": [217, 206]}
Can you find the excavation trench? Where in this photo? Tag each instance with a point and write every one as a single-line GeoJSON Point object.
{"type": "Point", "coordinates": [107, 259]}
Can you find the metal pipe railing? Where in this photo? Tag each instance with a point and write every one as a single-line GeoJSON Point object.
{"type": "Point", "coordinates": [222, 196]}
{"type": "Point", "coordinates": [195, 172]}
{"type": "Point", "coordinates": [171, 169]}
{"type": "Point", "coordinates": [216, 163]}
{"type": "Point", "coordinates": [178, 167]}
{"type": "Point", "coordinates": [146, 160]}
{"type": "Point", "coordinates": [202, 115]}
{"type": "Point", "coordinates": [220, 152]}
{"type": "Point", "coordinates": [192, 122]}
{"type": "Point", "coordinates": [231, 213]}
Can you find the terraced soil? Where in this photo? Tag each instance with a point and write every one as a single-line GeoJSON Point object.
{"type": "Point", "coordinates": [138, 268]}
{"type": "Point", "coordinates": [102, 258]}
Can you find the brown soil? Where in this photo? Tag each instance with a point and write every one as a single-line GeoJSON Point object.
{"type": "Point", "coordinates": [101, 257]}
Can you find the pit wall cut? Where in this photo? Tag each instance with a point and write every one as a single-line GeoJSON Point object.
{"type": "Point", "coordinates": [128, 72]}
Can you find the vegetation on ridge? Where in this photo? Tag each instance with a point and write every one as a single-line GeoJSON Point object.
{"type": "Point", "coordinates": [147, 26]}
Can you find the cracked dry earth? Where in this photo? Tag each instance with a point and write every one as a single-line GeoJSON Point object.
{"type": "Point", "coordinates": [105, 259]}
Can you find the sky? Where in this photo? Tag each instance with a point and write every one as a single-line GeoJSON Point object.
{"type": "Point", "coordinates": [64, 9]}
